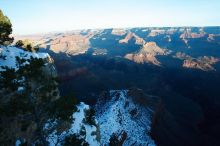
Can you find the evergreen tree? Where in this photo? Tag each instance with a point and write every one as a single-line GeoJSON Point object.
{"type": "Point", "coordinates": [5, 30]}
{"type": "Point", "coordinates": [75, 140]}
{"type": "Point", "coordinates": [90, 117]}
{"type": "Point", "coordinates": [19, 44]}
{"type": "Point", "coordinates": [33, 104]}
{"type": "Point", "coordinates": [114, 141]}
{"type": "Point", "coordinates": [117, 139]}
{"type": "Point", "coordinates": [26, 45]}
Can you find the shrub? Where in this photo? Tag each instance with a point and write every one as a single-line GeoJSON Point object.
{"type": "Point", "coordinates": [75, 140]}
{"type": "Point", "coordinates": [7, 79]}
{"type": "Point", "coordinates": [19, 44]}
{"type": "Point", "coordinates": [64, 107]}
{"type": "Point", "coordinates": [27, 46]}
{"type": "Point", "coordinates": [117, 139]}
{"type": "Point", "coordinates": [90, 117]}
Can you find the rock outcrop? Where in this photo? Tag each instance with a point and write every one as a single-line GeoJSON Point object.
{"type": "Point", "coordinates": [28, 86]}
{"type": "Point", "coordinates": [204, 63]}
{"type": "Point", "coordinates": [123, 111]}
{"type": "Point", "coordinates": [70, 44]}
{"type": "Point", "coordinates": [147, 54]}
{"type": "Point", "coordinates": [131, 36]}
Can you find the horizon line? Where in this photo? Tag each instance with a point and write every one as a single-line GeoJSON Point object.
{"type": "Point", "coordinates": [105, 28]}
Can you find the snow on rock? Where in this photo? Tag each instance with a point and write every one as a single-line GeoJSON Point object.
{"type": "Point", "coordinates": [18, 142]}
{"type": "Point", "coordinates": [57, 139]}
{"type": "Point", "coordinates": [20, 89]}
{"type": "Point", "coordinates": [8, 56]}
{"type": "Point", "coordinates": [121, 114]}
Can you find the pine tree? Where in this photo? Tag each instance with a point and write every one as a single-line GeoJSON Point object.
{"type": "Point", "coordinates": [33, 104]}
{"type": "Point", "coordinates": [5, 30]}
{"type": "Point", "coordinates": [75, 140]}
{"type": "Point", "coordinates": [19, 44]}
{"type": "Point", "coordinates": [117, 139]}
{"type": "Point", "coordinates": [26, 45]}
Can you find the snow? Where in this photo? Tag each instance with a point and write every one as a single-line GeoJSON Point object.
{"type": "Point", "coordinates": [18, 142]}
{"type": "Point", "coordinates": [114, 117]}
{"type": "Point", "coordinates": [20, 89]}
{"type": "Point", "coordinates": [76, 125]}
{"type": "Point", "coordinates": [9, 56]}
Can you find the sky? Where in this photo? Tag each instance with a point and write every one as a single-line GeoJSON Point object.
{"type": "Point", "coordinates": [42, 16]}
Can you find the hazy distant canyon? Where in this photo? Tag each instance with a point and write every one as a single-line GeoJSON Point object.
{"type": "Point", "coordinates": [178, 65]}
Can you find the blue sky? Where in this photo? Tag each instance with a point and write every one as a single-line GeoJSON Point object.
{"type": "Point", "coordinates": [40, 16]}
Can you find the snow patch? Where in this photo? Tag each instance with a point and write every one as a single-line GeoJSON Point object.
{"type": "Point", "coordinates": [8, 56]}
{"type": "Point", "coordinates": [115, 116]}
{"type": "Point", "coordinates": [56, 139]}
{"type": "Point", "coordinates": [18, 142]}
{"type": "Point", "coordinates": [20, 89]}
